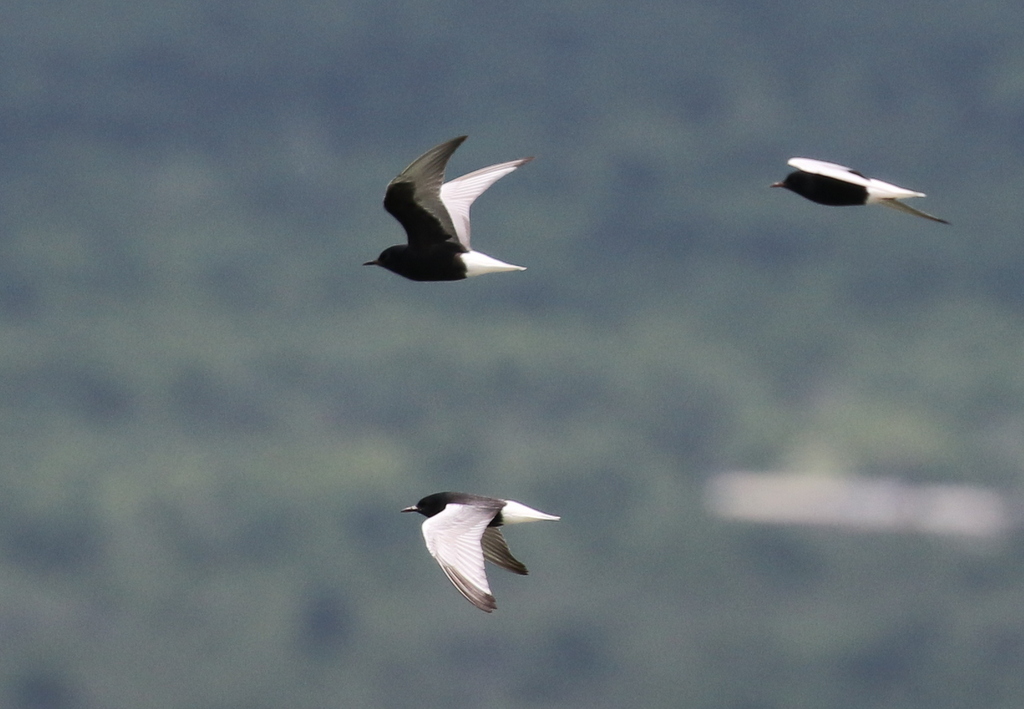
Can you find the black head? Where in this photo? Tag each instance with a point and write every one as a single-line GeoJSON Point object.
{"type": "Point", "coordinates": [801, 182]}
{"type": "Point", "coordinates": [390, 258]}
{"type": "Point", "coordinates": [431, 504]}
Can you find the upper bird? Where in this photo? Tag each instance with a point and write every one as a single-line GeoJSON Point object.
{"type": "Point", "coordinates": [436, 218]}
{"type": "Point", "coordinates": [838, 186]}
{"type": "Point", "coordinates": [461, 531]}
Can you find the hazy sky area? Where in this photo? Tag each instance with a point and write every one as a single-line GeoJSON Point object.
{"type": "Point", "coordinates": [211, 413]}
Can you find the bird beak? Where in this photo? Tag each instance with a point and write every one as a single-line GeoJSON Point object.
{"type": "Point", "coordinates": [375, 262]}
{"type": "Point", "coordinates": [777, 184]}
{"type": "Point", "coordinates": [414, 508]}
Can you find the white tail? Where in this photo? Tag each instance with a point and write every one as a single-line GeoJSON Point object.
{"type": "Point", "coordinates": [478, 264]}
{"type": "Point", "coordinates": [515, 512]}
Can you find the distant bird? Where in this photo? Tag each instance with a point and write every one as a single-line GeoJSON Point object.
{"type": "Point", "coordinates": [436, 219]}
{"type": "Point", "coordinates": [461, 531]}
{"type": "Point", "coordinates": [838, 186]}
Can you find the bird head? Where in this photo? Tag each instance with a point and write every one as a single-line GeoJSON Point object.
{"type": "Point", "coordinates": [431, 504]}
{"type": "Point", "coordinates": [388, 257]}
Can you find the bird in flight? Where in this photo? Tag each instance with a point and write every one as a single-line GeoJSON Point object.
{"type": "Point", "coordinates": [435, 215]}
{"type": "Point", "coordinates": [461, 530]}
{"type": "Point", "coordinates": [838, 186]}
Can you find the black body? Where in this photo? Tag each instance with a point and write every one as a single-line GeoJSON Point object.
{"type": "Point", "coordinates": [440, 262]}
{"type": "Point", "coordinates": [825, 190]}
{"type": "Point", "coordinates": [413, 198]}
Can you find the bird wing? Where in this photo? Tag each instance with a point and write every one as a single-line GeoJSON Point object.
{"type": "Point", "coordinates": [497, 552]}
{"type": "Point", "coordinates": [414, 197]}
{"type": "Point", "coordinates": [830, 169]}
{"type": "Point", "coordinates": [461, 192]}
{"type": "Point", "coordinates": [453, 538]}
{"type": "Point", "coordinates": [896, 204]}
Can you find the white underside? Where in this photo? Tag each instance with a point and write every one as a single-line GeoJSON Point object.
{"type": "Point", "coordinates": [478, 264]}
{"type": "Point", "coordinates": [515, 512]}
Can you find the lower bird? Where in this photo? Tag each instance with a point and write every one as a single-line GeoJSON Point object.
{"type": "Point", "coordinates": [436, 219]}
{"type": "Point", "coordinates": [461, 531]}
{"type": "Point", "coordinates": [838, 186]}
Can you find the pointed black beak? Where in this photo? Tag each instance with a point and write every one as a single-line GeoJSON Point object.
{"type": "Point", "coordinates": [777, 184]}
{"type": "Point", "coordinates": [414, 508]}
{"type": "Point", "coordinates": [375, 262]}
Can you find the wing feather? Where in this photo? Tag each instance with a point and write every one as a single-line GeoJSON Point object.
{"type": "Point", "coordinates": [829, 169]}
{"type": "Point", "coordinates": [414, 197]}
{"type": "Point", "coordinates": [497, 552]}
{"type": "Point", "coordinates": [900, 206]}
{"type": "Point", "coordinates": [475, 595]}
{"type": "Point", "coordinates": [453, 538]}
{"type": "Point", "coordinates": [459, 194]}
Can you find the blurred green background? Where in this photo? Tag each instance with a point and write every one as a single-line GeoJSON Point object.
{"type": "Point", "coordinates": [211, 413]}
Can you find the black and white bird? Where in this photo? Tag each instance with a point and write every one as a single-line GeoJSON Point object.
{"type": "Point", "coordinates": [838, 186]}
{"type": "Point", "coordinates": [436, 219]}
{"type": "Point", "coordinates": [461, 531]}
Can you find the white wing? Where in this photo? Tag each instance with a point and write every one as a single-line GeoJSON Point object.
{"type": "Point", "coordinates": [453, 539]}
{"type": "Point", "coordinates": [829, 169]}
{"type": "Point", "coordinates": [460, 193]}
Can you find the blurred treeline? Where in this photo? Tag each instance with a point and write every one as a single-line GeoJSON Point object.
{"type": "Point", "coordinates": [211, 413]}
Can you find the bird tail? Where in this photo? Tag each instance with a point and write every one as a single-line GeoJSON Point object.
{"type": "Point", "coordinates": [514, 512]}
